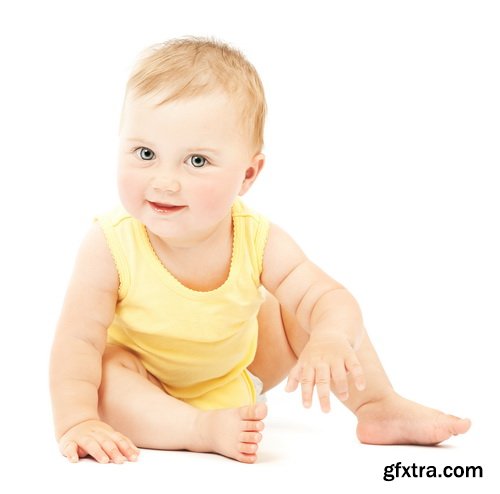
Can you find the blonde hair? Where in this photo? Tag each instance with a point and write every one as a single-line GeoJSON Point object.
{"type": "Point", "coordinates": [191, 66]}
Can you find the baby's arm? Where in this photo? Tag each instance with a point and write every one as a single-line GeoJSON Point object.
{"type": "Point", "coordinates": [325, 309]}
{"type": "Point", "coordinates": [76, 359]}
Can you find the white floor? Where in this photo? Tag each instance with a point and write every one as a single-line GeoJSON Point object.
{"type": "Point", "coordinates": [302, 451]}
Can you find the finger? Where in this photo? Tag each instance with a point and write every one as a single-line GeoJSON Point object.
{"type": "Point", "coordinates": [339, 381]}
{"type": "Point", "coordinates": [293, 378]}
{"type": "Point", "coordinates": [81, 452]}
{"type": "Point", "coordinates": [93, 448]}
{"type": "Point", "coordinates": [307, 382]}
{"type": "Point", "coordinates": [70, 451]}
{"type": "Point", "coordinates": [322, 381]}
{"type": "Point", "coordinates": [111, 449]}
{"type": "Point", "coordinates": [126, 446]}
{"type": "Point", "coordinates": [354, 368]}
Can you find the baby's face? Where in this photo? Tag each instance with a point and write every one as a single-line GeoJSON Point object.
{"type": "Point", "coordinates": [188, 153]}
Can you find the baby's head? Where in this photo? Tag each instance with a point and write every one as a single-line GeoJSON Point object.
{"type": "Point", "coordinates": [191, 132]}
{"type": "Point", "coordinates": [186, 67]}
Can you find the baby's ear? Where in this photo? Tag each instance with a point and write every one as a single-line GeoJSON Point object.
{"type": "Point", "coordinates": [257, 165]}
{"type": "Point", "coordinates": [252, 172]}
{"type": "Point", "coordinates": [259, 159]}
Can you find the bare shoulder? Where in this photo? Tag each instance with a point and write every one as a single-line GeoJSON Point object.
{"type": "Point", "coordinates": [94, 263]}
{"type": "Point", "coordinates": [92, 293]}
{"type": "Point", "coordinates": [281, 256]}
{"type": "Point", "coordinates": [291, 277]}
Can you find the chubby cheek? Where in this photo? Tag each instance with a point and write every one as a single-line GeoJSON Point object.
{"type": "Point", "coordinates": [130, 189]}
{"type": "Point", "coordinates": [215, 199]}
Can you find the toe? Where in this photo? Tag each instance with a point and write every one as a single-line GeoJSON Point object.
{"type": "Point", "coordinates": [244, 458]}
{"type": "Point", "coordinates": [460, 426]}
{"type": "Point", "coordinates": [251, 417]}
{"type": "Point", "coordinates": [253, 412]}
{"type": "Point", "coordinates": [251, 425]}
{"type": "Point", "coordinates": [248, 448]}
{"type": "Point", "coordinates": [260, 411]}
{"type": "Point", "coordinates": [250, 437]}
{"type": "Point", "coordinates": [447, 426]}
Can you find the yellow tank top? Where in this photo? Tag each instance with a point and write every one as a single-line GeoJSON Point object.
{"type": "Point", "coordinates": [198, 344]}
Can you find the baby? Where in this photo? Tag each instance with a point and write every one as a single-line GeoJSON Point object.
{"type": "Point", "coordinates": [185, 305]}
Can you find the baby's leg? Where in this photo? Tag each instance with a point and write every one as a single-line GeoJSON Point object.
{"type": "Point", "coordinates": [384, 417]}
{"type": "Point", "coordinates": [134, 403]}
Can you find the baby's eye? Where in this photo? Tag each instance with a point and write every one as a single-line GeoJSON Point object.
{"type": "Point", "coordinates": [145, 153]}
{"type": "Point", "coordinates": [197, 160]}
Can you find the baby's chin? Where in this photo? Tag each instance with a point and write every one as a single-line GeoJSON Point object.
{"type": "Point", "coordinates": [164, 229]}
{"type": "Point", "coordinates": [177, 234]}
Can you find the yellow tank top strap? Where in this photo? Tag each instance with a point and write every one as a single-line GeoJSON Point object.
{"type": "Point", "coordinates": [109, 224]}
{"type": "Point", "coordinates": [255, 236]}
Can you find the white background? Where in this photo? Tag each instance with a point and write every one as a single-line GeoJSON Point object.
{"type": "Point", "coordinates": [382, 148]}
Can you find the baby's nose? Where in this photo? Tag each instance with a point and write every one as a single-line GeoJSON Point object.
{"type": "Point", "coordinates": [164, 184]}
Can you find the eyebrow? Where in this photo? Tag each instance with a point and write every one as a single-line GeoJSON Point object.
{"type": "Point", "coordinates": [197, 149]}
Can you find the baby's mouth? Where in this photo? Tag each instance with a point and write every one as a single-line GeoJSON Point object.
{"type": "Point", "coordinates": [165, 208]}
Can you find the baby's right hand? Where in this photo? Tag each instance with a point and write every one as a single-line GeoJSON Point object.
{"type": "Point", "coordinates": [99, 440]}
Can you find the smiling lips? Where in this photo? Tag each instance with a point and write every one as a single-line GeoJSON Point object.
{"type": "Point", "coordinates": [165, 208]}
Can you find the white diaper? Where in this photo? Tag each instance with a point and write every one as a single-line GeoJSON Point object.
{"type": "Point", "coordinates": [259, 386]}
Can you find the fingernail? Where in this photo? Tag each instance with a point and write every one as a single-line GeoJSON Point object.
{"type": "Point", "coordinates": [133, 458]}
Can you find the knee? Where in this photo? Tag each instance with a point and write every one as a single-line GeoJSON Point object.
{"type": "Point", "coordinates": [117, 356]}
{"type": "Point", "coordinates": [117, 364]}
{"type": "Point", "coordinates": [116, 360]}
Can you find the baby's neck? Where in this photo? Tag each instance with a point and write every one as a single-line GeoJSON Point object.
{"type": "Point", "coordinates": [188, 247]}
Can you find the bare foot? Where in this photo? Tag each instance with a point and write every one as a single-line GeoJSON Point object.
{"type": "Point", "coordinates": [232, 432]}
{"type": "Point", "coordinates": [396, 420]}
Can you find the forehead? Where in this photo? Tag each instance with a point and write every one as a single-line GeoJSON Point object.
{"type": "Point", "coordinates": [211, 114]}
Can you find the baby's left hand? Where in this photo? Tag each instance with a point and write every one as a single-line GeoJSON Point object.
{"type": "Point", "coordinates": [325, 362]}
